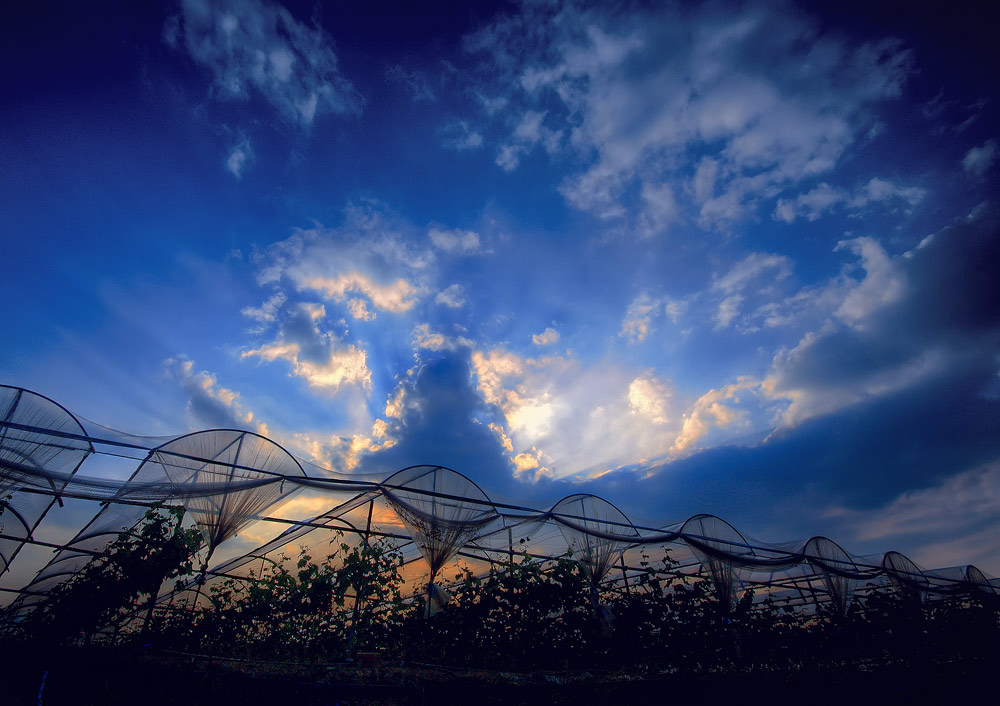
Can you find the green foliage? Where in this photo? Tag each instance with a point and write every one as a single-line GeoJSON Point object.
{"type": "Point", "coordinates": [334, 607]}
{"type": "Point", "coordinates": [522, 615]}
{"type": "Point", "coordinates": [525, 608]}
{"type": "Point", "coordinates": [109, 589]}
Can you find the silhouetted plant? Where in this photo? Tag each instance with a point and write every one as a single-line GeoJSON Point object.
{"type": "Point", "coordinates": [108, 591]}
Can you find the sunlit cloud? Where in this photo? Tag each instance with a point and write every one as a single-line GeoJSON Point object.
{"type": "Point", "coordinates": [324, 362]}
{"type": "Point", "coordinates": [546, 337]}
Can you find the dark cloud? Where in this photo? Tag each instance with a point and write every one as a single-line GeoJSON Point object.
{"type": "Point", "coordinates": [300, 328]}
{"type": "Point", "coordinates": [445, 422]}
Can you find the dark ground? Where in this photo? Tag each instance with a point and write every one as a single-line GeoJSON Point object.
{"type": "Point", "coordinates": [103, 676]}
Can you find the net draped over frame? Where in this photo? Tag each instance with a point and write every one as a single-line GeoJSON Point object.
{"type": "Point", "coordinates": [37, 436]}
{"type": "Point", "coordinates": [442, 510]}
{"type": "Point", "coordinates": [228, 479]}
{"type": "Point", "coordinates": [250, 468]}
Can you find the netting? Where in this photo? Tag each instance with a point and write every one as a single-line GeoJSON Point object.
{"type": "Point", "coordinates": [40, 441]}
{"type": "Point", "coordinates": [234, 482]}
{"type": "Point", "coordinates": [442, 510]}
{"type": "Point", "coordinates": [840, 572]}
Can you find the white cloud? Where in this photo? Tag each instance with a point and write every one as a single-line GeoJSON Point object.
{"type": "Point", "coordinates": [760, 96]}
{"type": "Point", "coordinates": [750, 268]}
{"type": "Point", "coordinates": [639, 316]}
{"type": "Point", "coordinates": [358, 308]}
{"type": "Point", "coordinates": [650, 398]}
{"type": "Point", "coordinates": [452, 296]}
{"type": "Point", "coordinates": [256, 45]}
{"type": "Point", "coordinates": [240, 157]}
{"type": "Point", "coordinates": [343, 365]}
{"type": "Point", "coordinates": [978, 160]}
{"type": "Point", "coordinates": [878, 190]}
{"type": "Point", "coordinates": [814, 203]}
{"type": "Point", "coordinates": [357, 266]}
{"type": "Point", "coordinates": [423, 337]}
{"type": "Point", "coordinates": [882, 285]}
{"type": "Point", "coordinates": [268, 311]}
{"type": "Point", "coordinates": [546, 337]}
{"type": "Point", "coordinates": [729, 309]}
{"type": "Point", "coordinates": [572, 418]}
{"type": "Point", "coordinates": [461, 242]}
{"type": "Point", "coordinates": [210, 404]}
{"type": "Point", "coordinates": [394, 297]}
{"type": "Point", "coordinates": [713, 410]}
{"type": "Point", "coordinates": [527, 133]}
{"type": "Point", "coordinates": [323, 361]}
{"type": "Point", "coordinates": [810, 205]}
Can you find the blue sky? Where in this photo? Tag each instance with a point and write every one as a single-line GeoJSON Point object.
{"type": "Point", "coordinates": [727, 258]}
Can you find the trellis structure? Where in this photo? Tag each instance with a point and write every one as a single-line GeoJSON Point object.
{"type": "Point", "coordinates": [233, 481]}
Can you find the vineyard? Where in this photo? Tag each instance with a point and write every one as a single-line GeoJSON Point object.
{"type": "Point", "coordinates": [420, 569]}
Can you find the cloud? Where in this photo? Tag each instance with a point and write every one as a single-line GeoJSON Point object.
{"type": "Point", "coordinates": [529, 132]}
{"type": "Point", "coordinates": [726, 109]}
{"type": "Point", "coordinates": [711, 411]}
{"type": "Point", "coordinates": [728, 310]}
{"type": "Point", "coordinates": [316, 356]}
{"type": "Point", "coordinates": [639, 317]}
{"type": "Point", "coordinates": [356, 266]}
{"type": "Point", "coordinates": [394, 297]}
{"type": "Point", "coordinates": [546, 337]}
{"type": "Point", "coordinates": [751, 268]}
{"type": "Point", "coordinates": [650, 398]}
{"type": "Point", "coordinates": [457, 242]}
{"type": "Point", "coordinates": [881, 469]}
{"type": "Point", "coordinates": [439, 419]}
{"type": "Point", "coordinates": [576, 418]}
{"type": "Point", "coordinates": [452, 296]}
{"type": "Point", "coordinates": [979, 160]}
{"type": "Point", "coordinates": [909, 318]}
{"type": "Point", "coordinates": [209, 404]}
{"type": "Point", "coordinates": [424, 338]}
{"type": "Point", "coordinates": [963, 501]}
{"type": "Point", "coordinates": [883, 283]}
{"type": "Point", "coordinates": [813, 204]}
{"type": "Point", "coordinates": [259, 46]}
{"type": "Point", "coordinates": [240, 158]}
{"type": "Point", "coordinates": [267, 312]}
{"type": "Point", "coordinates": [459, 136]}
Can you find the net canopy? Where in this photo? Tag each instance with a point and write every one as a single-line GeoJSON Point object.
{"type": "Point", "coordinates": [441, 509]}
{"type": "Point", "coordinates": [840, 572]}
{"type": "Point", "coordinates": [254, 503]}
{"type": "Point", "coordinates": [723, 551]}
{"type": "Point", "coordinates": [596, 532]}
{"type": "Point", "coordinates": [248, 472]}
{"type": "Point", "coordinates": [39, 439]}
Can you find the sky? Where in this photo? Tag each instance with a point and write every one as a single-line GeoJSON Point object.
{"type": "Point", "coordinates": [735, 258]}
